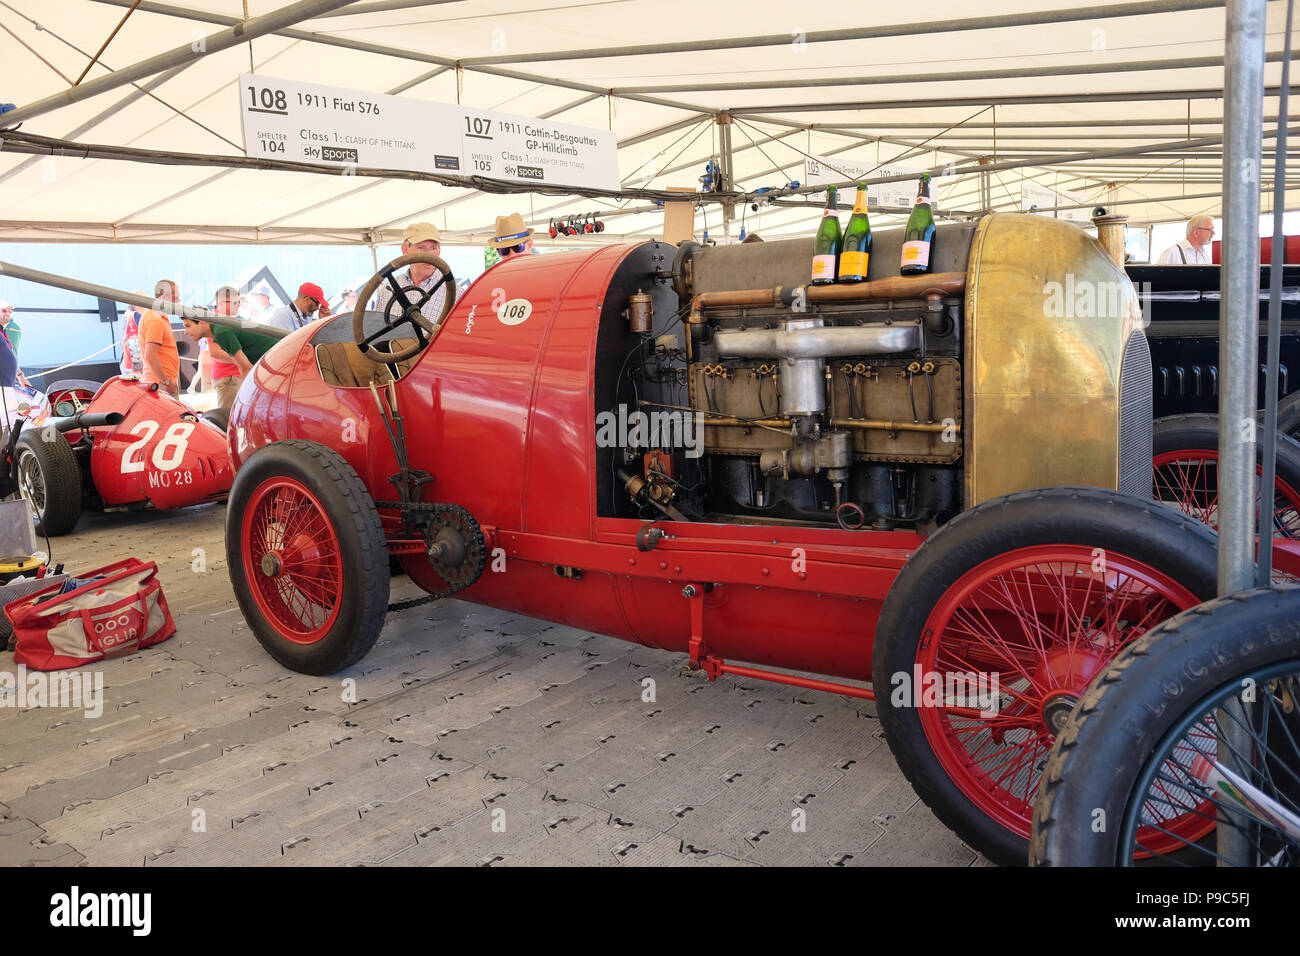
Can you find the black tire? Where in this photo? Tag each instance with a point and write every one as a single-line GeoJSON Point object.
{"type": "Point", "coordinates": [220, 417]}
{"type": "Point", "coordinates": [912, 632]}
{"type": "Point", "coordinates": [49, 478]}
{"type": "Point", "coordinates": [1136, 711]}
{"type": "Point", "coordinates": [1200, 432]}
{"type": "Point", "coordinates": [318, 484]}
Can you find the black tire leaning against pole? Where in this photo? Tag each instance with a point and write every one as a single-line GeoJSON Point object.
{"type": "Point", "coordinates": [1149, 713]}
{"type": "Point", "coordinates": [50, 479]}
{"type": "Point", "coordinates": [307, 556]}
{"type": "Point", "coordinates": [1035, 592]}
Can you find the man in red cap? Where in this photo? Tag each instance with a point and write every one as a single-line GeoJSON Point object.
{"type": "Point", "coordinates": [301, 310]}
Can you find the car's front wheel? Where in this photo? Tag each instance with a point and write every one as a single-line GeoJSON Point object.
{"type": "Point", "coordinates": [307, 556]}
{"type": "Point", "coordinates": [49, 478]}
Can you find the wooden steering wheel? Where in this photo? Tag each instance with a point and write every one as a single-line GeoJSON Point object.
{"type": "Point", "coordinates": [408, 300]}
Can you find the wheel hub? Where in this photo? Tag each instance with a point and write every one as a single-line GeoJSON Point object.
{"type": "Point", "coordinates": [1073, 667]}
{"type": "Point", "coordinates": [271, 564]}
{"type": "Point", "coordinates": [1056, 709]}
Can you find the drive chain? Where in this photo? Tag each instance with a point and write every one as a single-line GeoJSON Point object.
{"type": "Point", "coordinates": [444, 515]}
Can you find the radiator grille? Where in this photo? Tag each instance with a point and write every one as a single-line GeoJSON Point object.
{"type": "Point", "coordinates": [1135, 417]}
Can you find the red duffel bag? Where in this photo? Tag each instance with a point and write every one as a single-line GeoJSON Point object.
{"type": "Point", "coordinates": [119, 613]}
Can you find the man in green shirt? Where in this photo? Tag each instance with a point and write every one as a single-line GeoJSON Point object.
{"type": "Point", "coordinates": [243, 347]}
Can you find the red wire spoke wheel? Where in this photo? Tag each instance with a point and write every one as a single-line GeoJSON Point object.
{"type": "Point", "coordinates": [307, 556]}
{"type": "Point", "coordinates": [1189, 479]}
{"type": "Point", "coordinates": [1186, 471]}
{"type": "Point", "coordinates": [992, 632]}
{"type": "Point", "coordinates": [1039, 623]}
{"type": "Point", "coordinates": [288, 538]}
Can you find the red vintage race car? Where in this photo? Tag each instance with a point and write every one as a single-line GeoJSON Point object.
{"type": "Point", "coordinates": [120, 444]}
{"type": "Point", "coordinates": [940, 484]}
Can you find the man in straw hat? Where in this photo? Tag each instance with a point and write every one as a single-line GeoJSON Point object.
{"type": "Point", "coordinates": [418, 237]}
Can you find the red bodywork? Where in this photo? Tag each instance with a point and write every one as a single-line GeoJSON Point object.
{"type": "Point", "coordinates": [503, 416]}
{"type": "Point", "coordinates": [161, 453]}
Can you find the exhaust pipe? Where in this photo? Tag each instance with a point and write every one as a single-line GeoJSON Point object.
{"type": "Point", "coordinates": [84, 420]}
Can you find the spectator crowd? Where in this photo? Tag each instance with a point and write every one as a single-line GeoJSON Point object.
{"type": "Point", "coordinates": [228, 353]}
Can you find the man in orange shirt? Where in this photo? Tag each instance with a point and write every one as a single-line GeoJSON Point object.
{"type": "Point", "coordinates": [162, 362]}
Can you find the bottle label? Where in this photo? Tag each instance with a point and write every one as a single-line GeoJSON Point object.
{"type": "Point", "coordinates": [823, 267]}
{"type": "Point", "coordinates": [854, 263]}
{"type": "Point", "coordinates": [916, 253]}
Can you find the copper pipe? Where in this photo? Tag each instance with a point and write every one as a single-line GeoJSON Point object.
{"type": "Point", "coordinates": [863, 423]}
{"type": "Point", "coordinates": [877, 425]}
{"type": "Point", "coordinates": [893, 287]}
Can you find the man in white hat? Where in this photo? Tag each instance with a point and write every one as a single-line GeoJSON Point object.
{"type": "Point", "coordinates": [418, 237]}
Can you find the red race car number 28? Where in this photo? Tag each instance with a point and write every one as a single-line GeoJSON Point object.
{"type": "Point", "coordinates": [167, 454]}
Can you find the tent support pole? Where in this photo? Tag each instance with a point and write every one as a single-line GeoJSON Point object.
{"type": "Point", "coordinates": [1243, 100]}
{"type": "Point", "coordinates": [186, 53]}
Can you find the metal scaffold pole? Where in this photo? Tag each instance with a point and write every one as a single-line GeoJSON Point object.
{"type": "Point", "coordinates": [1243, 102]}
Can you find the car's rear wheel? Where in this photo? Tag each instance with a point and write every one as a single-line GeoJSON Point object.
{"type": "Point", "coordinates": [307, 556]}
{"type": "Point", "coordinates": [49, 478]}
{"type": "Point", "coordinates": [995, 626]}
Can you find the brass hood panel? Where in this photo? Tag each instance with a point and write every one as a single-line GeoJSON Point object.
{"type": "Point", "coordinates": [1047, 317]}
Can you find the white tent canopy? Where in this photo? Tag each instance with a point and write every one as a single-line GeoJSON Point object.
{"type": "Point", "coordinates": [1006, 94]}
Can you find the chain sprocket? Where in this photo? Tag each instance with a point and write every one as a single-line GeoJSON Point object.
{"type": "Point", "coordinates": [455, 537]}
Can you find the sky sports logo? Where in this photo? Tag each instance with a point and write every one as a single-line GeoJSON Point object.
{"type": "Point", "coordinates": [336, 154]}
{"type": "Point", "coordinates": [530, 172]}
{"type": "Point", "coordinates": [76, 909]}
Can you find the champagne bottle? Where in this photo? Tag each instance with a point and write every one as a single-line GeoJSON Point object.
{"type": "Point", "coordinates": [856, 251]}
{"type": "Point", "coordinates": [826, 247]}
{"type": "Point", "coordinates": [918, 239]}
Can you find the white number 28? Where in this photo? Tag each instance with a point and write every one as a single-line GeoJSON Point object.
{"type": "Point", "coordinates": [167, 454]}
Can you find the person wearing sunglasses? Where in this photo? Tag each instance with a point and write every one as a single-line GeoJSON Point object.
{"type": "Point", "coordinates": [1195, 249]}
{"type": "Point", "coordinates": [302, 310]}
{"type": "Point", "coordinates": [512, 238]}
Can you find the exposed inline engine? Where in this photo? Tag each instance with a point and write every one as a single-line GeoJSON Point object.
{"type": "Point", "coordinates": [729, 390]}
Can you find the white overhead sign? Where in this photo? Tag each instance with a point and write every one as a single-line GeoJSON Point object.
{"type": "Point", "coordinates": [1035, 198]}
{"type": "Point", "coordinates": [822, 170]}
{"type": "Point", "coordinates": [286, 119]}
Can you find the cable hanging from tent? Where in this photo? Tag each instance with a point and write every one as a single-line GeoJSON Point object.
{"type": "Point", "coordinates": [104, 46]}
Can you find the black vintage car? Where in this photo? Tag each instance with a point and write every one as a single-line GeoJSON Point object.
{"type": "Point", "coordinates": [1182, 303]}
